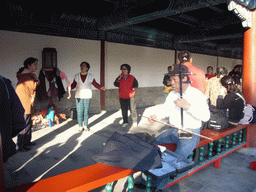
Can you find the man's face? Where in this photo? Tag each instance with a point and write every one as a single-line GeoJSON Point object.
{"type": "Point", "coordinates": [209, 71]}
{"type": "Point", "coordinates": [175, 83]}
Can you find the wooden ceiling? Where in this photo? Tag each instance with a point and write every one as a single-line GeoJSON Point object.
{"type": "Point", "coordinates": [199, 26]}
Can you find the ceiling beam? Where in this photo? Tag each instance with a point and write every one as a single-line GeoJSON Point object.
{"type": "Point", "coordinates": [204, 37]}
{"type": "Point", "coordinates": [111, 22]}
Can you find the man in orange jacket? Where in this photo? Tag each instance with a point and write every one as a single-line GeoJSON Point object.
{"type": "Point", "coordinates": [197, 77]}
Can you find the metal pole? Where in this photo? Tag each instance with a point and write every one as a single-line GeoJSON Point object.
{"type": "Point", "coordinates": [181, 109]}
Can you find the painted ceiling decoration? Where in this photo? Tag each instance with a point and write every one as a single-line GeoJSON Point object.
{"type": "Point", "coordinates": [212, 27]}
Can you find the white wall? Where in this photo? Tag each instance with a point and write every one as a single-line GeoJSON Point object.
{"type": "Point", "coordinates": [203, 61]}
{"type": "Point", "coordinates": [16, 47]}
{"type": "Point", "coordinates": [229, 64]}
{"type": "Point", "coordinates": [148, 64]}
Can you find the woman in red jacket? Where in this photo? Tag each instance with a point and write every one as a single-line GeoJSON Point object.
{"type": "Point", "coordinates": [126, 83]}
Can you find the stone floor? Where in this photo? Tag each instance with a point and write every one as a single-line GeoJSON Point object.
{"type": "Point", "coordinates": [61, 149]}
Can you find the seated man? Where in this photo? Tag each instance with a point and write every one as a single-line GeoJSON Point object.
{"type": "Point", "coordinates": [195, 110]}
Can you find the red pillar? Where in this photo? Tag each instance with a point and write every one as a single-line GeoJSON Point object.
{"type": "Point", "coordinates": [249, 74]}
{"type": "Point", "coordinates": [102, 73]}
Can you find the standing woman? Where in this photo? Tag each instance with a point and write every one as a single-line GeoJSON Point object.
{"type": "Point", "coordinates": [83, 82]}
{"type": "Point", "coordinates": [26, 91]}
{"type": "Point", "coordinates": [126, 83]}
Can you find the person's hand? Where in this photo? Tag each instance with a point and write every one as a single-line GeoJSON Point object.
{"type": "Point", "coordinates": [119, 77]}
{"type": "Point", "coordinates": [182, 103]}
{"type": "Point", "coordinates": [152, 119]}
{"type": "Point", "coordinates": [69, 92]}
{"type": "Point", "coordinates": [103, 88]}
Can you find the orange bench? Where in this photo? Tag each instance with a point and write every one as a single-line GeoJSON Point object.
{"type": "Point", "coordinates": [216, 136]}
{"type": "Point", "coordinates": [99, 174]}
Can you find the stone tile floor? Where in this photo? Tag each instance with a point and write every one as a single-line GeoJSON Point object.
{"type": "Point", "coordinates": [61, 149]}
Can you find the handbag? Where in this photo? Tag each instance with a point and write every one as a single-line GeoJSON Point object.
{"type": "Point", "coordinates": [248, 112]}
{"type": "Point", "coordinates": [218, 120]}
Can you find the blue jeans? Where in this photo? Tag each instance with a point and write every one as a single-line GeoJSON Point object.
{"type": "Point", "coordinates": [184, 146]}
{"type": "Point", "coordinates": [82, 108]}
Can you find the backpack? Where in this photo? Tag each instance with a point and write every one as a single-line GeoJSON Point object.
{"type": "Point", "coordinates": [218, 120]}
{"type": "Point", "coordinates": [248, 112]}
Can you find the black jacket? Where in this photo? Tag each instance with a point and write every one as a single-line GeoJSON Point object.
{"type": "Point", "coordinates": [130, 151]}
{"type": "Point", "coordinates": [234, 104]}
{"type": "Point", "coordinates": [11, 117]}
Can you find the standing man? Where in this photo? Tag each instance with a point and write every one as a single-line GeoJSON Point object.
{"type": "Point", "coordinates": [197, 77]}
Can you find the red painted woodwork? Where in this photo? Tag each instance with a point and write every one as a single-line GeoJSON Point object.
{"type": "Point", "coordinates": [217, 164]}
{"type": "Point", "coordinates": [80, 180]}
{"type": "Point", "coordinates": [249, 73]}
{"type": "Point", "coordinates": [215, 135]}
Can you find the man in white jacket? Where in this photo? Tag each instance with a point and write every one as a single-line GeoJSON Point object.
{"type": "Point", "coordinates": [195, 110]}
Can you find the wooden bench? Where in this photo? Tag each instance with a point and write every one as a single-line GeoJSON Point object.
{"type": "Point", "coordinates": [240, 131]}
{"type": "Point", "coordinates": [99, 174]}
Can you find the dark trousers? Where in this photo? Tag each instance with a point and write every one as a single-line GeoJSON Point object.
{"type": "Point", "coordinates": [131, 105]}
{"type": "Point", "coordinates": [24, 137]}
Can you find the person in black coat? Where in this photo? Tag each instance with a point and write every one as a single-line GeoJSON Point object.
{"type": "Point", "coordinates": [12, 119]}
{"type": "Point", "coordinates": [232, 101]}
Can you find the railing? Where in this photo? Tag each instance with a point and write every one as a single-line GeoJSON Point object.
{"type": "Point", "coordinates": [99, 174]}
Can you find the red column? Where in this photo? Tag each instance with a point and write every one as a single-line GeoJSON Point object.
{"type": "Point", "coordinates": [102, 73]}
{"type": "Point", "coordinates": [249, 73]}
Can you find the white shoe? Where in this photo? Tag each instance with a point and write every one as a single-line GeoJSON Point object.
{"type": "Point", "coordinates": [80, 129]}
{"type": "Point", "coordinates": [135, 124]}
{"type": "Point", "coordinates": [124, 125]}
{"type": "Point", "coordinates": [86, 128]}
